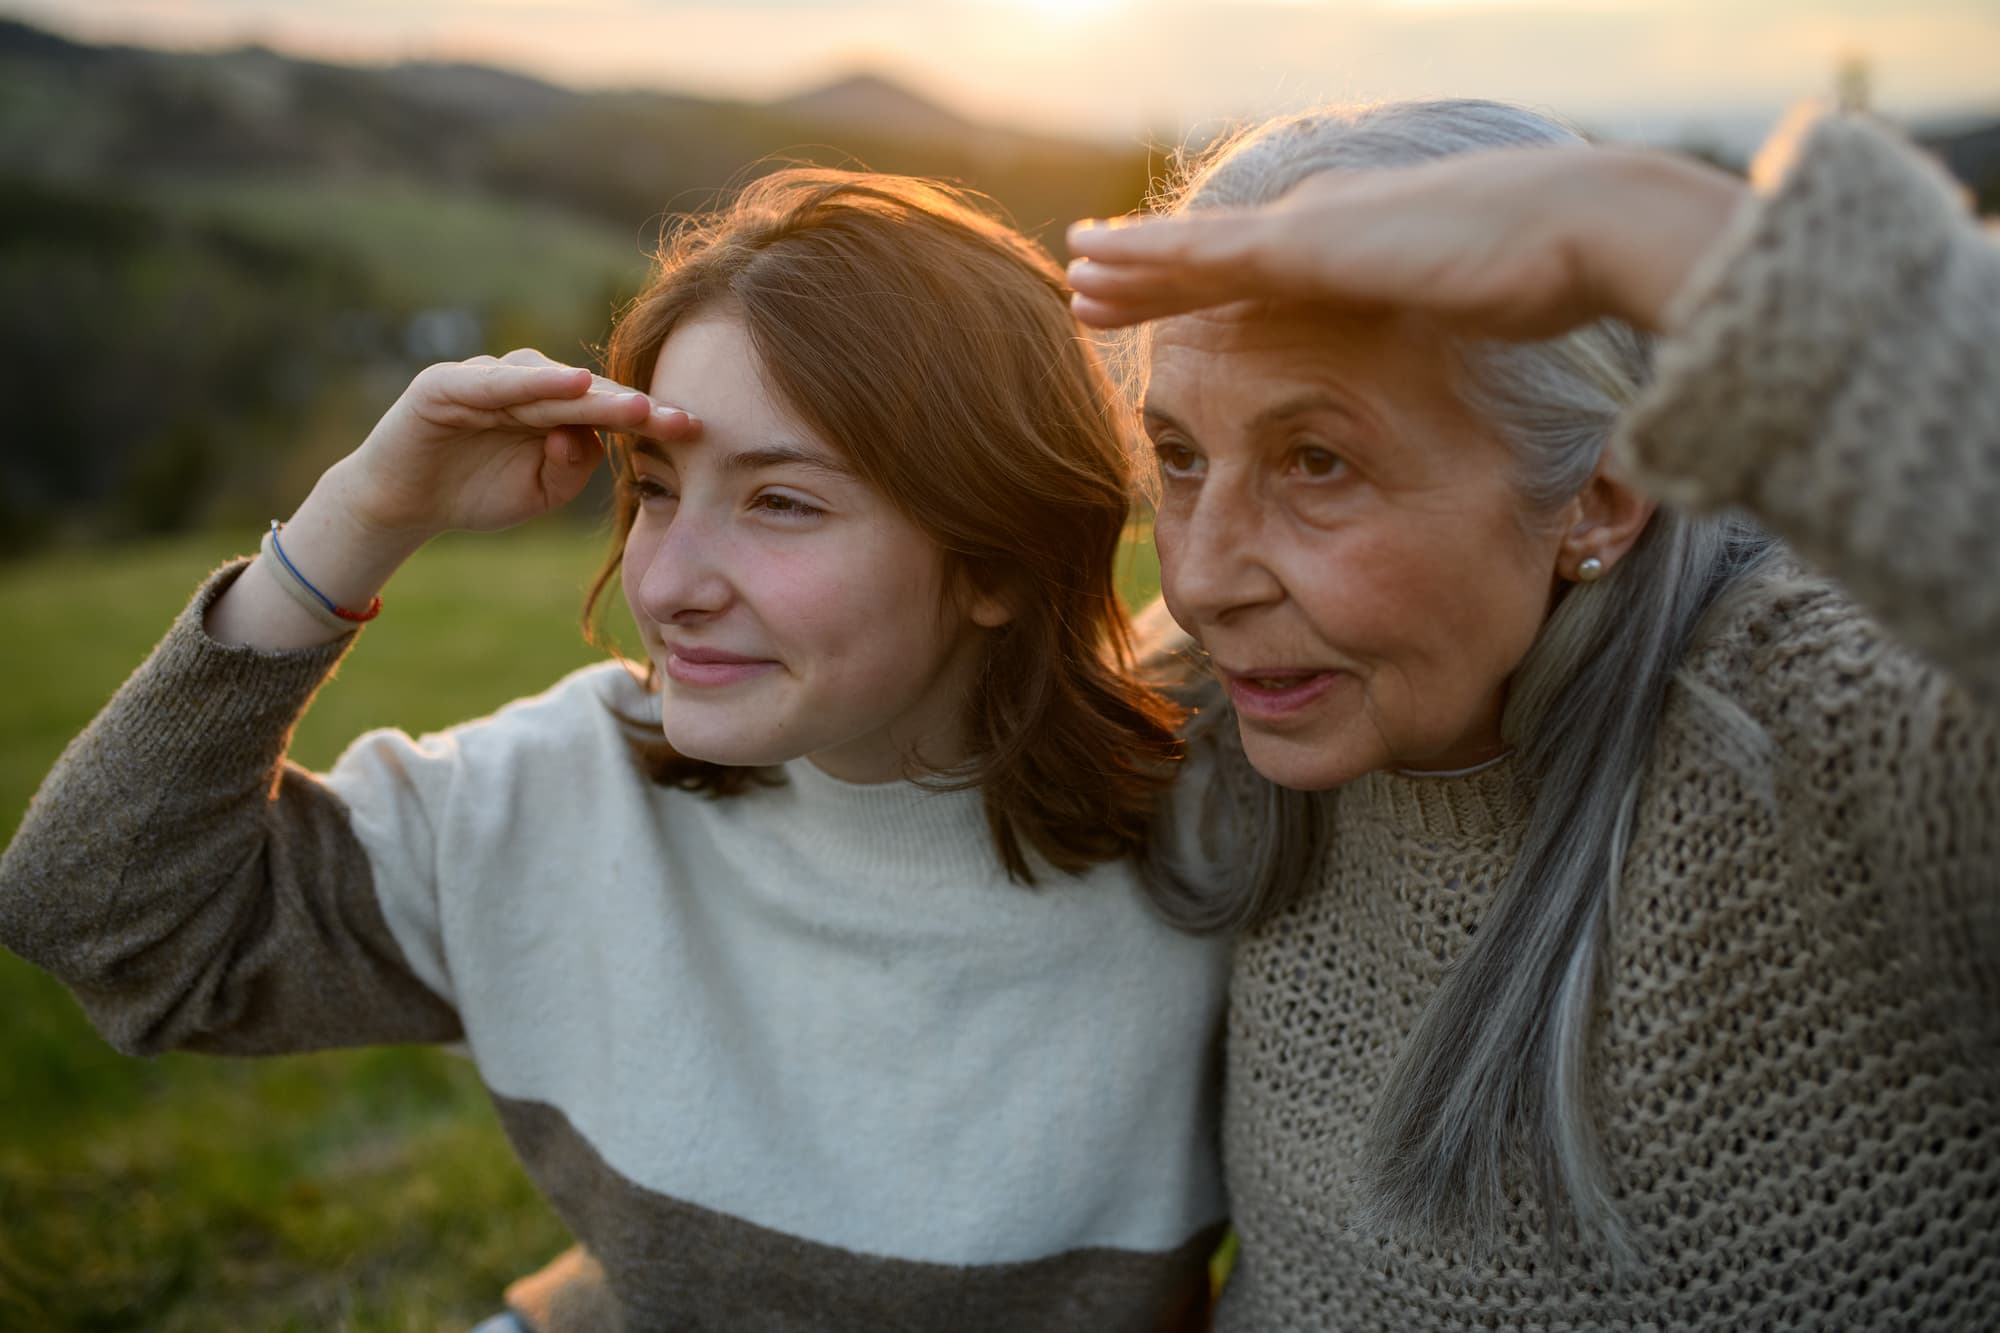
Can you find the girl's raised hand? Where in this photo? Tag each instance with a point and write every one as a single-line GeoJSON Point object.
{"type": "Point", "coordinates": [478, 444]}
{"type": "Point", "coordinates": [490, 442]}
{"type": "Point", "coordinates": [1514, 243]}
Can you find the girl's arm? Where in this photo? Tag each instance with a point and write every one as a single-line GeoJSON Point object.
{"type": "Point", "coordinates": [191, 886]}
{"type": "Point", "coordinates": [479, 445]}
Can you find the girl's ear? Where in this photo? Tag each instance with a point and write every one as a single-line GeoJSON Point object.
{"type": "Point", "coordinates": [990, 612]}
{"type": "Point", "coordinates": [1604, 520]}
{"type": "Point", "coordinates": [986, 605]}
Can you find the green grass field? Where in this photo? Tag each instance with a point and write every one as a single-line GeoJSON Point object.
{"type": "Point", "coordinates": [434, 245]}
{"type": "Point", "coordinates": [367, 1190]}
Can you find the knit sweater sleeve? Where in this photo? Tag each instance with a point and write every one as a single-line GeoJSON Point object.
{"type": "Point", "coordinates": [194, 888]}
{"type": "Point", "coordinates": [1833, 372]}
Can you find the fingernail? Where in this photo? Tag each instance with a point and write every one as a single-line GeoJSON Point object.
{"type": "Point", "coordinates": [572, 451]}
{"type": "Point", "coordinates": [663, 410]}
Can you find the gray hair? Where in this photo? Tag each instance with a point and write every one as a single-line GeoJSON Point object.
{"type": "Point", "coordinates": [1498, 1059]}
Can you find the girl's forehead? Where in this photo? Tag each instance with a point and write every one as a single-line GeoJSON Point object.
{"type": "Point", "coordinates": [709, 367]}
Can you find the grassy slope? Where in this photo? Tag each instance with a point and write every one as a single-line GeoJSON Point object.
{"type": "Point", "coordinates": [542, 271]}
{"type": "Point", "coordinates": [365, 1190]}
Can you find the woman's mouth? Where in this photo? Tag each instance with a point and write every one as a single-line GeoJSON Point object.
{"type": "Point", "coordinates": [1272, 695]}
{"type": "Point", "coordinates": [712, 666]}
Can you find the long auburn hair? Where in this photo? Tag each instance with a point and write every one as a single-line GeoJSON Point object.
{"type": "Point", "coordinates": [933, 346]}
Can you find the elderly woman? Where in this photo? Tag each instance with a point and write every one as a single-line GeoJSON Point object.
{"type": "Point", "coordinates": [1638, 965]}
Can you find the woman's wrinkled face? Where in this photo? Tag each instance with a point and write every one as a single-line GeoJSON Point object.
{"type": "Point", "coordinates": [789, 608]}
{"type": "Point", "coordinates": [1343, 538]}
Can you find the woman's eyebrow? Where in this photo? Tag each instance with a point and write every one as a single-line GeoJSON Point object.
{"type": "Point", "coordinates": [1300, 405]}
{"type": "Point", "coordinates": [1157, 420]}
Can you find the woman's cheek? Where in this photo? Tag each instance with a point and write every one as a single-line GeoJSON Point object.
{"type": "Point", "coordinates": [1167, 546]}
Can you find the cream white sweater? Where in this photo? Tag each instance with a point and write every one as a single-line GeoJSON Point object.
{"type": "Point", "coordinates": [798, 1059]}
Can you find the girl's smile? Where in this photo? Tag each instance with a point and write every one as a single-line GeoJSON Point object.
{"type": "Point", "coordinates": [712, 666]}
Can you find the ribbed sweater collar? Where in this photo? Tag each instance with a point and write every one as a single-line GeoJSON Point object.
{"type": "Point", "coordinates": [898, 829]}
{"type": "Point", "coordinates": [1471, 807]}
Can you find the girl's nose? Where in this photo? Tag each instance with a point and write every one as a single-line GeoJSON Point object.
{"type": "Point", "coordinates": [685, 579]}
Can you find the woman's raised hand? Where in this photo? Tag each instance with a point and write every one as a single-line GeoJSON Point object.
{"type": "Point", "coordinates": [491, 442]}
{"type": "Point", "coordinates": [1515, 243]}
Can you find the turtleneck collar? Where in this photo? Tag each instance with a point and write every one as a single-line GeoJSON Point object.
{"type": "Point", "coordinates": [1470, 805]}
{"type": "Point", "coordinates": [898, 828]}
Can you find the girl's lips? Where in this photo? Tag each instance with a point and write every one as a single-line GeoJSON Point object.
{"type": "Point", "coordinates": [1275, 695]}
{"type": "Point", "coordinates": [705, 666]}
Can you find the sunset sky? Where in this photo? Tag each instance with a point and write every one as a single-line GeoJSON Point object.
{"type": "Point", "coordinates": [1128, 68]}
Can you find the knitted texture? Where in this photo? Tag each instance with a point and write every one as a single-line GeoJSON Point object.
{"type": "Point", "coordinates": [1834, 372]}
{"type": "Point", "coordinates": [1794, 1067]}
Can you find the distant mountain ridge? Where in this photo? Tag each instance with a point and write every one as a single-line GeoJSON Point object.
{"type": "Point", "coordinates": [873, 102]}
{"type": "Point", "coordinates": [253, 109]}
{"type": "Point", "coordinates": [207, 258]}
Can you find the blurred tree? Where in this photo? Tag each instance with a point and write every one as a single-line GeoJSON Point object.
{"type": "Point", "coordinates": [1852, 86]}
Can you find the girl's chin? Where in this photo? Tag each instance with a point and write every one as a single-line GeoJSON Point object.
{"type": "Point", "coordinates": [730, 752]}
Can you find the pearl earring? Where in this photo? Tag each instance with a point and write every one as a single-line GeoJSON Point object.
{"type": "Point", "coordinates": [1590, 571]}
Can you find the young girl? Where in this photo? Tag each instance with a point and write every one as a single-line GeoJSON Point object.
{"type": "Point", "coordinates": [806, 967]}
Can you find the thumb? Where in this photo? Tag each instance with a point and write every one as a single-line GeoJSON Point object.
{"type": "Point", "coordinates": [569, 455]}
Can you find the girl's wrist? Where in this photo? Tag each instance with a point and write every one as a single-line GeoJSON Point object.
{"type": "Point", "coordinates": [342, 549]}
{"type": "Point", "coordinates": [363, 531]}
{"type": "Point", "coordinates": [326, 555]}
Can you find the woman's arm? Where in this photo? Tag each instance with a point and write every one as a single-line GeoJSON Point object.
{"type": "Point", "coordinates": [1830, 362]}
{"type": "Point", "coordinates": [1512, 243]}
{"type": "Point", "coordinates": [191, 886]}
{"type": "Point", "coordinates": [1836, 371]}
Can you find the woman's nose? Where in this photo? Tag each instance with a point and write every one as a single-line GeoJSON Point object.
{"type": "Point", "coordinates": [1213, 561]}
{"type": "Point", "coordinates": [685, 578]}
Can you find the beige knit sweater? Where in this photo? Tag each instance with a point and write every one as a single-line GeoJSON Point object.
{"type": "Point", "coordinates": [1796, 1060]}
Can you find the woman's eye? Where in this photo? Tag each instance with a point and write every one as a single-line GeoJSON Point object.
{"type": "Point", "coordinates": [1176, 460]}
{"type": "Point", "coordinates": [1316, 463]}
{"type": "Point", "coordinates": [786, 506]}
{"type": "Point", "coordinates": [649, 488]}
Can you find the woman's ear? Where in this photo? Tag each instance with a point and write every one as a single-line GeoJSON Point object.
{"type": "Point", "coordinates": [1606, 518]}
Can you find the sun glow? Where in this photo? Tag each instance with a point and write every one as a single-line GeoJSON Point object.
{"type": "Point", "coordinates": [1071, 11]}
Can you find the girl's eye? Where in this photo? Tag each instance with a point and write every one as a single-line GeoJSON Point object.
{"type": "Point", "coordinates": [649, 489]}
{"type": "Point", "coordinates": [1318, 464]}
{"type": "Point", "coordinates": [786, 506]}
{"type": "Point", "coordinates": [1176, 460]}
